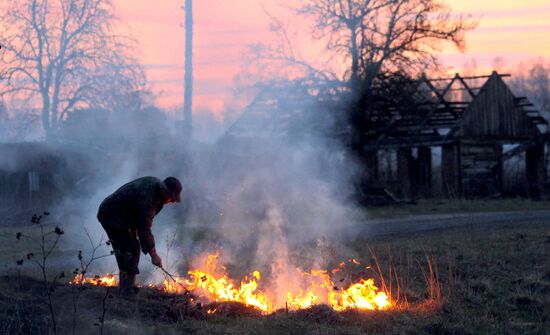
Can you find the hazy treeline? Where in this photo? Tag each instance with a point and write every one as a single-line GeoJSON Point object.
{"type": "Point", "coordinates": [532, 80]}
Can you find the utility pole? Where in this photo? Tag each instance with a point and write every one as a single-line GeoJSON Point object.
{"type": "Point", "coordinates": [188, 85]}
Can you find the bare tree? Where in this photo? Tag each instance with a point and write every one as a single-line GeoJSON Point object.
{"type": "Point", "coordinates": [371, 37]}
{"type": "Point", "coordinates": [280, 60]}
{"type": "Point", "coordinates": [119, 89]}
{"type": "Point", "coordinates": [343, 24]}
{"type": "Point", "coordinates": [381, 36]}
{"type": "Point", "coordinates": [55, 51]}
{"type": "Point", "coordinates": [533, 81]}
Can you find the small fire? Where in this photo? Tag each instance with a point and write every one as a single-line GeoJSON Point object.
{"type": "Point", "coordinates": [312, 288]}
{"type": "Point", "coordinates": [106, 280]}
{"type": "Point", "coordinates": [361, 295]}
{"type": "Point", "coordinates": [173, 287]}
{"type": "Point", "coordinates": [219, 288]}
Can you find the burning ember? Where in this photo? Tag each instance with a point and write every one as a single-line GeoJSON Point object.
{"type": "Point", "coordinates": [311, 288]}
{"type": "Point", "coordinates": [106, 280]}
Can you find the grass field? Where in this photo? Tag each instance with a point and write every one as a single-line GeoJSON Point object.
{"type": "Point", "coordinates": [448, 206]}
{"type": "Point", "coordinates": [460, 281]}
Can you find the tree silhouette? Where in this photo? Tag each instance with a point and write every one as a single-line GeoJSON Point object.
{"type": "Point", "coordinates": [385, 36]}
{"type": "Point", "coordinates": [58, 51]}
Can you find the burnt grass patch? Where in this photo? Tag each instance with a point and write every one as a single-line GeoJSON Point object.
{"type": "Point", "coordinates": [460, 281]}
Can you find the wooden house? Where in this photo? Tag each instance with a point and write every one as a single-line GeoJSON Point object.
{"type": "Point", "coordinates": [469, 125]}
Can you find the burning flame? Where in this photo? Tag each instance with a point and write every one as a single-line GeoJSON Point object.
{"type": "Point", "coordinates": [220, 288]}
{"type": "Point", "coordinates": [361, 295]}
{"type": "Point", "coordinates": [106, 280]}
{"type": "Point", "coordinates": [315, 287]}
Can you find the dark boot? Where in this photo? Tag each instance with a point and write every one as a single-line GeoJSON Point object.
{"type": "Point", "coordinates": [126, 286]}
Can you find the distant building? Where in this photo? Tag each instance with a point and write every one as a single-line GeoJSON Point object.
{"type": "Point", "coordinates": [31, 175]}
{"type": "Point", "coordinates": [474, 124]}
{"type": "Point", "coordinates": [470, 120]}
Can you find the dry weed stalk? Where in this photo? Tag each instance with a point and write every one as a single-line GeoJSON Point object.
{"type": "Point", "coordinates": [101, 319]}
{"type": "Point", "coordinates": [45, 246]}
{"type": "Point", "coordinates": [76, 290]}
{"type": "Point", "coordinates": [432, 280]}
{"type": "Point", "coordinates": [393, 277]}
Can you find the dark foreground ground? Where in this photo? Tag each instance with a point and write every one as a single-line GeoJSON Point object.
{"type": "Point", "coordinates": [474, 279]}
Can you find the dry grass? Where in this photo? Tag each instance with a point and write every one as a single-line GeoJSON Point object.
{"type": "Point", "coordinates": [462, 281]}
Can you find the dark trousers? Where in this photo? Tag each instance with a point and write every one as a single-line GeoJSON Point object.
{"type": "Point", "coordinates": [125, 245]}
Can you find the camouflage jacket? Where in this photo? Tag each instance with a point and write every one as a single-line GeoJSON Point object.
{"type": "Point", "coordinates": [133, 206]}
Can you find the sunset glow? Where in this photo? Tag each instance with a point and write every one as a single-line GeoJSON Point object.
{"type": "Point", "coordinates": [512, 30]}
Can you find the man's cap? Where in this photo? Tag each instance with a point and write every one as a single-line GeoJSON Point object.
{"type": "Point", "coordinates": [174, 185]}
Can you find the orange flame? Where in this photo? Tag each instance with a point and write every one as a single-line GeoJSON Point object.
{"type": "Point", "coordinates": [220, 288]}
{"type": "Point", "coordinates": [316, 287]}
{"type": "Point", "coordinates": [361, 295]}
{"type": "Point", "coordinates": [106, 280]}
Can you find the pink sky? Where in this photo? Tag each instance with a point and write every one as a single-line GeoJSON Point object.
{"type": "Point", "coordinates": [510, 29]}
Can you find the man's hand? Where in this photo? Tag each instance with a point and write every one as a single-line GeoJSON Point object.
{"type": "Point", "coordinates": [155, 259]}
